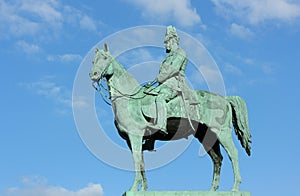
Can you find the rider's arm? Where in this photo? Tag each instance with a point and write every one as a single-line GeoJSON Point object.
{"type": "Point", "coordinates": [180, 61]}
{"type": "Point", "coordinates": [171, 66]}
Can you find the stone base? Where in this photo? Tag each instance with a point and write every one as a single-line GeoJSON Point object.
{"type": "Point", "coordinates": [187, 193]}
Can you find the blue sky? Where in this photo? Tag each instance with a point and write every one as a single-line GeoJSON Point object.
{"type": "Point", "coordinates": [255, 45]}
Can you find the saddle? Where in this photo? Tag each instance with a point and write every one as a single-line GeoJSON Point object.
{"type": "Point", "coordinates": [176, 107]}
{"type": "Point", "coordinates": [211, 109]}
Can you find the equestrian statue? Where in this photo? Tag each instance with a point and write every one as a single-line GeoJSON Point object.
{"type": "Point", "coordinates": [167, 109]}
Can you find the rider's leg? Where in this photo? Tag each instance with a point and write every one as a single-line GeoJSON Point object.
{"type": "Point", "coordinates": [161, 118]}
{"type": "Point", "coordinates": [161, 108]}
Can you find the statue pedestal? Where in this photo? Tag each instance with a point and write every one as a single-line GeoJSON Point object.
{"type": "Point", "coordinates": [187, 193]}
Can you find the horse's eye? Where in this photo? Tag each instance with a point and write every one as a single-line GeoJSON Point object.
{"type": "Point", "coordinates": [95, 73]}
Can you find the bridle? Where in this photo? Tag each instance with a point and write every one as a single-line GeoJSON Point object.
{"type": "Point", "coordinates": [98, 86]}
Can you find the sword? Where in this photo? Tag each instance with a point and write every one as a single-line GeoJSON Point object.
{"type": "Point", "coordinates": [185, 107]}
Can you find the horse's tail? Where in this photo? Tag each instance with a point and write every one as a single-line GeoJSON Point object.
{"type": "Point", "coordinates": [240, 121]}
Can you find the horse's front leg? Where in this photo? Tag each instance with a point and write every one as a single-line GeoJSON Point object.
{"type": "Point", "coordinates": [136, 149]}
{"type": "Point", "coordinates": [144, 183]}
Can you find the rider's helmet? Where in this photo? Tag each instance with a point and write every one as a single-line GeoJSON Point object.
{"type": "Point", "coordinates": [171, 33]}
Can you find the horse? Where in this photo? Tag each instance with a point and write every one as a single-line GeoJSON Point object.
{"type": "Point", "coordinates": [126, 96]}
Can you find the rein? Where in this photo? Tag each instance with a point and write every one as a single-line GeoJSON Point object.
{"type": "Point", "coordinates": [100, 86]}
{"type": "Point", "coordinates": [130, 96]}
{"type": "Point", "coordinates": [98, 89]}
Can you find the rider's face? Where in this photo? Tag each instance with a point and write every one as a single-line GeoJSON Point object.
{"type": "Point", "coordinates": [168, 44]}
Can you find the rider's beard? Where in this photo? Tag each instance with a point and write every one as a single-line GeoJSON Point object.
{"type": "Point", "coordinates": [168, 50]}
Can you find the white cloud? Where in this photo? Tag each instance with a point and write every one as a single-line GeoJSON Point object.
{"type": "Point", "coordinates": [60, 95]}
{"type": "Point", "coordinates": [30, 18]}
{"type": "Point", "coordinates": [28, 48]}
{"type": "Point", "coordinates": [274, 9]}
{"type": "Point", "coordinates": [46, 11]}
{"type": "Point", "coordinates": [257, 11]}
{"type": "Point", "coordinates": [12, 23]}
{"type": "Point", "coordinates": [70, 57]}
{"type": "Point", "coordinates": [35, 185]}
{"type": "Point", "coordinates": [34, 180]}
{"type": "Point", "coordinates": [90, 190]}
{"type": "Point", "coordinates": [50, 90]}
{"type": "Point", "coordinates": [80, 102]}
{"type": "Point", "coordinates": [240, 31]}
{"type": "Point", "coordinates": [42, 19]}
{"type": "Point", "coordinates": [88, 23]}
{"type": "Point", "coordinates": [138, 55]}
{"type": "Point", "coordinates": [65, 58]}
{"type": "Point", "coordinates": [180, 11]}
{"type": "Point", "coordinates": [229, 68]}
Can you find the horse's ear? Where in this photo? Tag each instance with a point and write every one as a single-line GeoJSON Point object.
{"type": "Point", "coordinates": [97, 50]}
{"type": "Point", "coordinates": [106, 49]}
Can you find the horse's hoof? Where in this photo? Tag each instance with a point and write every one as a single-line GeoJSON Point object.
{"type": "Point", "coordinates": [133, 189]}
{"type": "Point", "coordinates": [213, 188]}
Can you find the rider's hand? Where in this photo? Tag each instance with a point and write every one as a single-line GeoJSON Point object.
{"type": "Point", "coordinates": [148, 85]}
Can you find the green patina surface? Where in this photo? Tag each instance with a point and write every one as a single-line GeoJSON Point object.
{"type": "Point", "coordinates": [172, 98]}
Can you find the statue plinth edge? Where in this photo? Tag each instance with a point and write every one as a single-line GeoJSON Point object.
{"type": "Point", "coordinates": [187, 193]}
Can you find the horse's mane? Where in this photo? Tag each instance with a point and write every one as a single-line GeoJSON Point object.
{"type": "Point", "coordinates": [123, 80]}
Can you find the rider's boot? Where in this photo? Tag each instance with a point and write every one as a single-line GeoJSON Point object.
{"type": "Point", "coordinates": [161, 121]}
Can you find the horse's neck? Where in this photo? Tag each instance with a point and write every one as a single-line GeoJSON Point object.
{"type": "Point", "coordinates": [121, 82]}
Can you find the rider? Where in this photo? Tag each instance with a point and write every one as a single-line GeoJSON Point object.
{"type": "Point", "coordinates": [170, 78]}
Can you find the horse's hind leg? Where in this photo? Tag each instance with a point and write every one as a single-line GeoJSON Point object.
{"type": "Point", "coordinates": [211, 145]}
{"type": "Point", "coordinates": [217, 158]}
{"type": "Point", "coordinates": [225, 138]}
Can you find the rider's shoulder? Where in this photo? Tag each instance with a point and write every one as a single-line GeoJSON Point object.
{"type": "Point", "coordinates": [180, 51]}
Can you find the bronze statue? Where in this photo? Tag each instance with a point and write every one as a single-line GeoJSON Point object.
{"type": "Point", "coordinates": [212, 116]}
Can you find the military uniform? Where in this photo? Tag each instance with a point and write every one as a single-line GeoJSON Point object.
{"type": "Point", "coordinates": [171, 79]}
{"type": "Point", "coordinates": [171, 82]}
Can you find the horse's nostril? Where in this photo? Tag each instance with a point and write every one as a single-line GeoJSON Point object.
{"type": "Point", "coordinates": [95, 73]}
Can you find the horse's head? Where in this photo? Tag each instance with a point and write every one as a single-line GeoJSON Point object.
{"type": "Point", "coordinates": [101, 62]}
